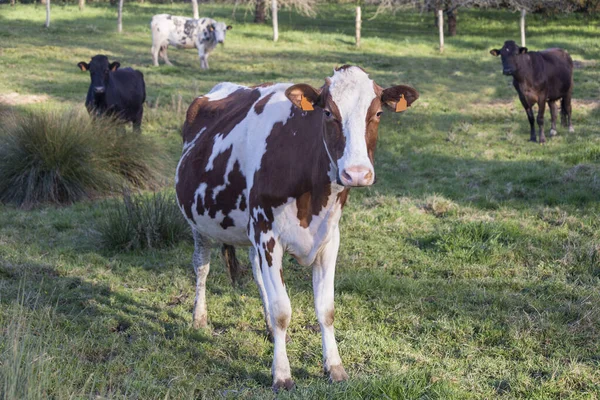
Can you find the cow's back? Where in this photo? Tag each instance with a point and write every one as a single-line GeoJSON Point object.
{"type": "Point", "coordinates": [174, 30]}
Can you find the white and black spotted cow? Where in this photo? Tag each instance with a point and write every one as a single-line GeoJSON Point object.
{"type": "Point", "coordinates": [203, 34]}
{"type": "Point", "coordinates": [270, 167]}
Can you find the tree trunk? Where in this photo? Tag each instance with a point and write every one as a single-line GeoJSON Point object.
{"type": "Point", "coordinates": [358, 23]}
{"type": "Point", "coordinates": [274, 17]}
{"type": "Point", "coordinates": [12, 3]}
{"type": "Point", "coordinates": [47, 24]}
{"type": "Point", "coordinates": [441, 27]}
{"type": "Point", "coordinates": [260, 12]}
{"type": "Point", "coordinates": [120, 17]}
{"type": "Point", "coordinates": [195, 9]}
{"type": "Point", "coordinates": [452, 23]}
{"type": "Point", "coordinates": [81, 5]}
{"type": "Point", "coordinates": [523, 28]}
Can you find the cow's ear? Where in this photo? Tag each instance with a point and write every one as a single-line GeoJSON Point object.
{"type": "Point", "coordinates": [83, 66]}
{"type": "Point", "coordinates": [495, 52]}
{"type": "Point", "coordinates": [399, 98]}
{"type": "Point", "coordinates": [304, 96]}
{"type": "Point", "coordinates": [229, 27]}
{"type": "Point", "coordinates": [114, 66]}
{"type": "Point", "coordinates": [522, 50]}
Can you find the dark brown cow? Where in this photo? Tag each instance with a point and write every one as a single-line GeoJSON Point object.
{"type": "Point", "coordinates": [540, 77]}
{"type": "Point", "coordinates": [270, 167]}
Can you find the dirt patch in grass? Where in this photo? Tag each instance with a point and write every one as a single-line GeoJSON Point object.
{"type": "Point", "coordinates": [17, 99]}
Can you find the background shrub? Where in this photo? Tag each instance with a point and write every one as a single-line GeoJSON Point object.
{"type": "Point", "coordinates": [143, 222]}
{"type": "Point", "coordinates": [55, 157]}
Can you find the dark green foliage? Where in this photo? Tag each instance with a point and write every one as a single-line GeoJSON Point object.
{"type": "Point", "coordinates": [53, 157]}
{"type": "Point", "coordinates": [143, 222]}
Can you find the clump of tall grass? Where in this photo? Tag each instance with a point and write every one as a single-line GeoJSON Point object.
{"type": "Point", "coordinates": [143, 222]}
{"type": "Point", "coordinates": [63, 157]}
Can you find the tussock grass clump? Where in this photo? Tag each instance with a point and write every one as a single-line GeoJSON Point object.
{"type": "Point", "coordinates": [54, 157]}
{"type": "Point", "coordinates": [143, 222]}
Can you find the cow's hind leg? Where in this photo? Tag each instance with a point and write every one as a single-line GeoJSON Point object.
{"type": "Point", "coordinates": [540, 119]}
{"type": "Point", "coordinates": [254, 259]}
{"type": "Point", "coordinates": [163, 54]}
{"type": "Point", "coordinates": [137, 122]}
{"type": "Point", "coordinates": [565, 110]}
{"type": "Point", "coordinates": [280, 309]}
{"type": "Point", "coordinates": [201, 263]}
{"type": "Point", "coordinates": [553, 112]}
{"type": "Point", "coordinates": [323, 276]}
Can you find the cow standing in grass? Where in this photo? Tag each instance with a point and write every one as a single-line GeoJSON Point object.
{"type": "Point", "coordinates": [540, 77]}
{"type": "Point", "coordinates": [187, 33]}
{"type": "Point", "coordinates": [115, 92]}
{"type": "Point", "coordinates": [270, 167]}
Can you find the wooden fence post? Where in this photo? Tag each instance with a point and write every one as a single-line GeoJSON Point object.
{"type": "Point", "coordinates": [441, 26]}
{"type": "Point", "coordinates": [358, 23]}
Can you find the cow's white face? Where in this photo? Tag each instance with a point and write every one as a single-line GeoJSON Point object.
{"type": "Point", "coordinates": [351, 104]}
{"type": "Point", "coordinates": [220, 30]}
{"type": "Point", "coordinates": [353, 92]}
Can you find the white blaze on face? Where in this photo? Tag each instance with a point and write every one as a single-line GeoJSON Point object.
{"type": "Point", "coordinates": [353, 92]}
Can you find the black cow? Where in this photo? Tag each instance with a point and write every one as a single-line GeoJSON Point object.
{"type": "Point", "coordinates": [115, 92]}
{"type": "Point", "coordinates": [540, 77]}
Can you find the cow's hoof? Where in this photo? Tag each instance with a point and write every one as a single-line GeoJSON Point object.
{"type": "Point", "coordinates": [337, 374]}
{"type": "Point", "coordinates": [287, 384]}
{"type": "Point", "coordinates": [533, 140]}
{"type": "Point", "coordinates": [571, 129]}
{"type": "Point", "coordinates": [553, 132]}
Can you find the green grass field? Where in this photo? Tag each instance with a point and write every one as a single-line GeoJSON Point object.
{"type": "Point", "coordinates": [470, 270]}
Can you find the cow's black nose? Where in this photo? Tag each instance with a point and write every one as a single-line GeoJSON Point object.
{"type": "Point", "coordinates": [507, 71]}
{"type": "Point", "coordinates": [99, 89]}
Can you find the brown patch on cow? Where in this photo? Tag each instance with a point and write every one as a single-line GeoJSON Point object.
{"type": "Point", "coordinates": [329, 317]}
{"type": "Point", "coordinates": [217, 117]}
{"type": "Point", "coordinates": [269, 246]}
{"type": "Point", "coordinates": [282, 321]}
{"type": "Point", "coordinates": [259, 107]}
{"type": "Point", "coordinates": [285, 162]}
{"type": "Point", "coordinates": [372, 123]}
{"type": "Point", "coordinates": [281, 275]}
{"type": "Point", "coordinates": [342, 197]}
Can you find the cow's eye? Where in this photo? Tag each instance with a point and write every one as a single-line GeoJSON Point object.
{"type": "Point", "coordinates": [327, 113]}
{"type": "Point", "coordinates": [379, 113]}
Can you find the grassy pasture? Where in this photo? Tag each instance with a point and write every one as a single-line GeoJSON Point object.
{"type": "Point", "coordinates": [471, 270]}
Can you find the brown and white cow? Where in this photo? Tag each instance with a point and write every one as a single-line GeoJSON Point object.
{"type": "Point", "coordinates": [270, 167]}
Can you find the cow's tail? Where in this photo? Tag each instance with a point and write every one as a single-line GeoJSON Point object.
{"type": "Point", "coordinates": [232, 265]}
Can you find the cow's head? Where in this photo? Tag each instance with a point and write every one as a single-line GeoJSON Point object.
{"type": "Point", "coordinates": [99, 68]}
{"type": "Point", "coordinates": [218, 30]}
{"type": "Point", "coordinates": [509, 53]}
{"type": "Point", "coordinates": [351, 105]}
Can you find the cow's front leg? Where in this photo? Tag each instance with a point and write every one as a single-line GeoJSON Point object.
{"type": "Point", "coordinates": [529, 111]}
{"type": "Point", "coordinates": [203, 57]}
{"type": "Point", "coordinates": [280, 309]}
{"type": "Point", "coordinates": [323, 276]}
{"type": "Point", "coordinates": [540, 119]}
{"type": "Point", "coordinates": [553, 112]}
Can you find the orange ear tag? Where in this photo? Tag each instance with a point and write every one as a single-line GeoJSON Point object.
{"type": "Point", "coordinates": [305, 105]}
{"type": "Point", "coordinates": [401, 105]}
